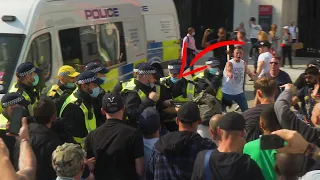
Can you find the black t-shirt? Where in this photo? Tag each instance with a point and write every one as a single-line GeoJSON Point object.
{"type": "Point", "coordinates": [307, 102]}
{"type": "Point", "coordinates": [226, 166]}
{"type": "Point", "coordinates": [115, 146]}
{"type": "Point", "coordinates": [301, 81]}
{"type": "Point", "coordinates": [252, 124]}
{"type": "Point", "coordinates": [220, 53]}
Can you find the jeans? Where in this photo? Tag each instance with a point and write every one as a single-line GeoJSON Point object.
{"type": "Point", "coordinates": [190, 57]}
{"type": "Point", "coordinates": [240, 99]}
{"type": "Point", "coordinates": [286, 51]}
{"type": "Point", "coordinates": [253, 42]}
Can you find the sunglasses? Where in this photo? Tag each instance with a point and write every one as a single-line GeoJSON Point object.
{"type": "Point", "coordinates": [275, 63]}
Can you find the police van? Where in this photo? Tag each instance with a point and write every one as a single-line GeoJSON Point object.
{"type": "Point", "coordinates": [163, 32]}
{"type": "Point", "coordinates": [52, 33]}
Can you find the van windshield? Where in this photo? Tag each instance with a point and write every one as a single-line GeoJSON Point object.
{"type": "Point", "coordinates": [10, 47]}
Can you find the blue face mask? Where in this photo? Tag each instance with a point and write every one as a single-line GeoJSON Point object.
{"type": "Point", "coordinates": [213, 71]}
{"type": "Point", "coordinates": [36, 80]}
{"type": "Point", "coordinates": [103, 79]}
{"type": "Point", "coordinates": [174, 80]}
{"type": "Point", "coordinates": [95, 92]}
{"type": "Point", "coordinates": [70, 85]}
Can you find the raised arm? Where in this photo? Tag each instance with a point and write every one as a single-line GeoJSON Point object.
{"type": "Point", "coordinates": [27, 161]}
{"type": "Point", "coordinates": [229, 69]}
{"type": "Point", "coordinates": [204, 42]}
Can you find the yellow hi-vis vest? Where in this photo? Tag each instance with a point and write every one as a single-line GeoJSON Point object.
{"type": "Point", "coordinates": [3, 122]}
{"type": "Point", "coordinates": [190, 91]}
{"type": "Point", "coordinates": [219, 94]}
{"type": "Point", "coordinates": [26, 97]}
{"type": "Point", "coordinates": [54, 89]}
{"type": "Point", "coordinates": [91, 124]}
{"type": "Point", "coordinates": [130, 85]}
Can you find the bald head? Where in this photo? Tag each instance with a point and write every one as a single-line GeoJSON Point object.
{"type": "Point", "coordinates": [214, 121]}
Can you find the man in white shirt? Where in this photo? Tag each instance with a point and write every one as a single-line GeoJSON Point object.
{"type": "Point", "coordinates": [233, 79]}
{"type": "Point", "coordinates": [191, 48]}
{"type": "Point", "coordinates": [264, 58]}
{"type": "Point", "coordinates": [294, 31]}
{"type": "Point", "coordinates": [254, 31]}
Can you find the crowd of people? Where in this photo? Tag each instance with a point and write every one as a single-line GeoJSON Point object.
{"type": "Point", "coordinates": [165, 128]}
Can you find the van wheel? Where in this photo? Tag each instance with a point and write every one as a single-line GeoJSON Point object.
{"type": "Point", "coordinates": [159, 69]}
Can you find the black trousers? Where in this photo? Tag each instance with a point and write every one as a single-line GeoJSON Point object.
{"type": "Point", "coordinates": [286, 52]}
{"type": "Point", "coordinates": [253, 41]}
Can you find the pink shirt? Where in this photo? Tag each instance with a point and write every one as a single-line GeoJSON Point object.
{"type": "Point", "coordinates": [191, 43]}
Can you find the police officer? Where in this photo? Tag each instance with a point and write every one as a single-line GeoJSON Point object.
{"type": "Point", "coordinates": [210, 79]}
{"type": "Point", "coordinates": [118, 87]}
{"type": "Point", "coordinates": [67, 77]}
{"type": "Point", "coordinates": [100, 71]}
{"type": "Point", "coordinates": [8, 102]}
{"type": "Point", "coordinates": [78, 110]}
{"type": "Point", "coordinates": [27, 80]}
{"type": "Point", "coordinates": [140, 93]}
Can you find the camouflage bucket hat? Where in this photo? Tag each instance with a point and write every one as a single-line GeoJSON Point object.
{"type": "Point", "coordinates": [67, 159]}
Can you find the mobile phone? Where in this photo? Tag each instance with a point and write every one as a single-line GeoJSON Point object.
{"type": "Point", "coordinates": [271, 141]}
{"type": "Point", "coordinates": [211, 31]}
{"type": "Point", "coordinates": [15, 122]}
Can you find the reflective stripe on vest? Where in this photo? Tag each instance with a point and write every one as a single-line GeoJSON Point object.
{"type": "Point", "coordinates": [26, 97]}
{"type": "Point", "coordinates": [91, 124]}
{"type": "Point", "coordinates": [190, 94]}
{"type": "Point", "coordinates": [200, 75]}
{"type": "Point", "coordinates": [54, 89]}
{"type": "Point", "coordinates": [130, 85]}
{"type": "Point", "coordinates": [3, 122]}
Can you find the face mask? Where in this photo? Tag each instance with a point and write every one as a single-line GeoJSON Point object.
{"type": "Point", "coordinates": [95, 92]}
{"type": "Point", "coordinates": [103, 79]}
{"type": "Point", "coordinates": [193, 33]}
{"type": "Point", "coordinates": [213, 71]}
{"type": "Point", "coordinates": [174, 80]}
{"type": "Point", "coordinates": [70, 85]}
{"type": "Point", "coordinates": [36, 80]}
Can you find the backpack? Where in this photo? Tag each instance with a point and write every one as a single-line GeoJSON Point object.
{"type": "Point", "coordinates": [208, 106]}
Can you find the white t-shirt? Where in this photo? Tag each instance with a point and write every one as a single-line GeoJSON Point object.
{"type": "Point", "coordinates": [234, 85]}
{"type": "Point", "coordinates": [255, 28]}
{"type": "Point", "coordinates": [266, 57]}
{"type": "Point", "coordinates": [293, 31]}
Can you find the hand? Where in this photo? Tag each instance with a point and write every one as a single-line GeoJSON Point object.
{"type": "Point", "coordinates": [167, 103]}
{"type": "Point", "coordinates": [4, 152]}
{"type": "Point", "coordinates": [290, 87]}
{"type": "Point", "coordinates": [176, 108]}
{"type": "Point", "coordinates": [207, 32]}
{"type": "Point", "coordinates": [154, 96]}
{"type": "Point", "coordinates": [90, 162]}
{"type": "Point", "coordinates": [23, 133]}
{"type": "Point", "coordinates": [90, 177]}
{"type": "Point", "coordinates": [296, 143]}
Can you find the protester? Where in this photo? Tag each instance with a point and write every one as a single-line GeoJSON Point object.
{"type": "Point", "coordinates": [254, 30]}
{"type": "Point", "coordinates": [301, 80]}
{"type": "Point", "coordinates": [264, 59]}
{"type": "Point", "coordinates": [191, 48]}
{"type": "Point", "coordinates": [289, 166]}
{"type": "Point", "coordinates": [117, 147]}
{"type": "Point", "coordinates": [227, 161]}
{"type": "Point", "coordinates": [286, 46]}
{"type": "Point", "coordinates": [175, 152]}
{"type": "Point", "coordinates": [213, 127]}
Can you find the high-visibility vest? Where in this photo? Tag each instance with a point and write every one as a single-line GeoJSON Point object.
{"type": "Point", "coordinates": [219, 93]}
{"type": "Point", "coordinates": [190, 91]}
{"type": "Point", "coordinates": [130, 85]}
{"type": "Point", "coordinates": [26, 97]}
{"type": "Point", "coordinates": [3, 122]}
{"type": "Point", "coordinates": [54, 89]}
{"type": "Point", "coordinates": [91, 124]}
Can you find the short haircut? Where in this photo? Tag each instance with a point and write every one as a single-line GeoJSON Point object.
{"type": "Point", "coordinates": [44, 110]}
{"type": "Point", "coordinates": [238, 47]}
{"type": "Point", "coordinates": [277, 58]}
{"type": "Point", "coordinates": [267, 86]}
{"type": "Point", "coordinates": [269, 118]}
{"type": "Point", "coordinates": [242, 33]}
{"type": "Point", "coordinates": [312, 71]}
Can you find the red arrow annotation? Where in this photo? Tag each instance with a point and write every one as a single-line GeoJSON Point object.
{"type": "Point", "coordinates": [203, 52]}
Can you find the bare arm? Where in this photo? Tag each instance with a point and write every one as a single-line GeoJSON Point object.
{"type": "Point", "coordinates": [260, 66]}
{"type": "Point", "coordinates": [297, 34]}
{"type": "Point", "coordinates": [7, 171]}
{"type": "Point", "coordinates": [229, 69]}
{"type": "Point", "coordinates": [27, 161]}
{"type": "Point", "coordinates": [248, 71]}
{"type": "Point", "coordinates": [204, 42]}
{"type": "Point", "coordinates": [139, 162]}
{"type": "Point", "coordinates": [290, 38]}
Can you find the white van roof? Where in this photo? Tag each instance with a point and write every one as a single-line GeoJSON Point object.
{"type": "Point", "coordinates": [26, 12]}
{"type": "Point", "coordinates": [157, 6]}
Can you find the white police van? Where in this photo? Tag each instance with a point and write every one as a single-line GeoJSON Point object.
{"type": "Point", "coordinates": [163, 32]}
{"type": "Point", "coordinates": [51, 33]}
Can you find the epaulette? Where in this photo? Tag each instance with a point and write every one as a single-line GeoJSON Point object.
{"type": "Point", "coordinates": [52, 93]}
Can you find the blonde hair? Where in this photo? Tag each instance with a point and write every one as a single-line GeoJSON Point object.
{"type": "Point", "coordinates": [263, 36]}
{"type": "Point", "coordinates": [273, 30]}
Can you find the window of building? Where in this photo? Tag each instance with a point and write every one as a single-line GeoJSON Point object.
{"type": "Point", "coordinates": [40, 54]}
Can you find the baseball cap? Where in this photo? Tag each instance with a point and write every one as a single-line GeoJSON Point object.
{"type": "Point", "coordinates": [67, 159]}
{"type": "Point", "coordinates": [232, 121]}
{"type": "Point", "coordinates": [286, 27]}
{"type": "Point", "coordinates": [26, 68]}
{"type": "Point", "coordinates": [67, 70]}
{"type": "Point", "coordinates": [145, 69]}
{"type": "Point", "coordinates": [315, 62]}
{"type": "Point", "coordinates": [149, 121]}
{"type": "Point", "coordinates": [112, 102]}
{"type": "Point", "coordinates": [188, 112]}
{"type": "Point", "coordinates": [96, 67]}
{"type": "Point", "coordinates": [174, 67]}
{"type": "Point", "coordinates": [213, 62]}
{"type": "Point", "coordinates": [265, 44]}
{"type": "Point", "coordinates": [252, 19]}
{"type": "Point", "coordinates": [88, 77]}
{"type": "Point", "coordinates": [13, 98]}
